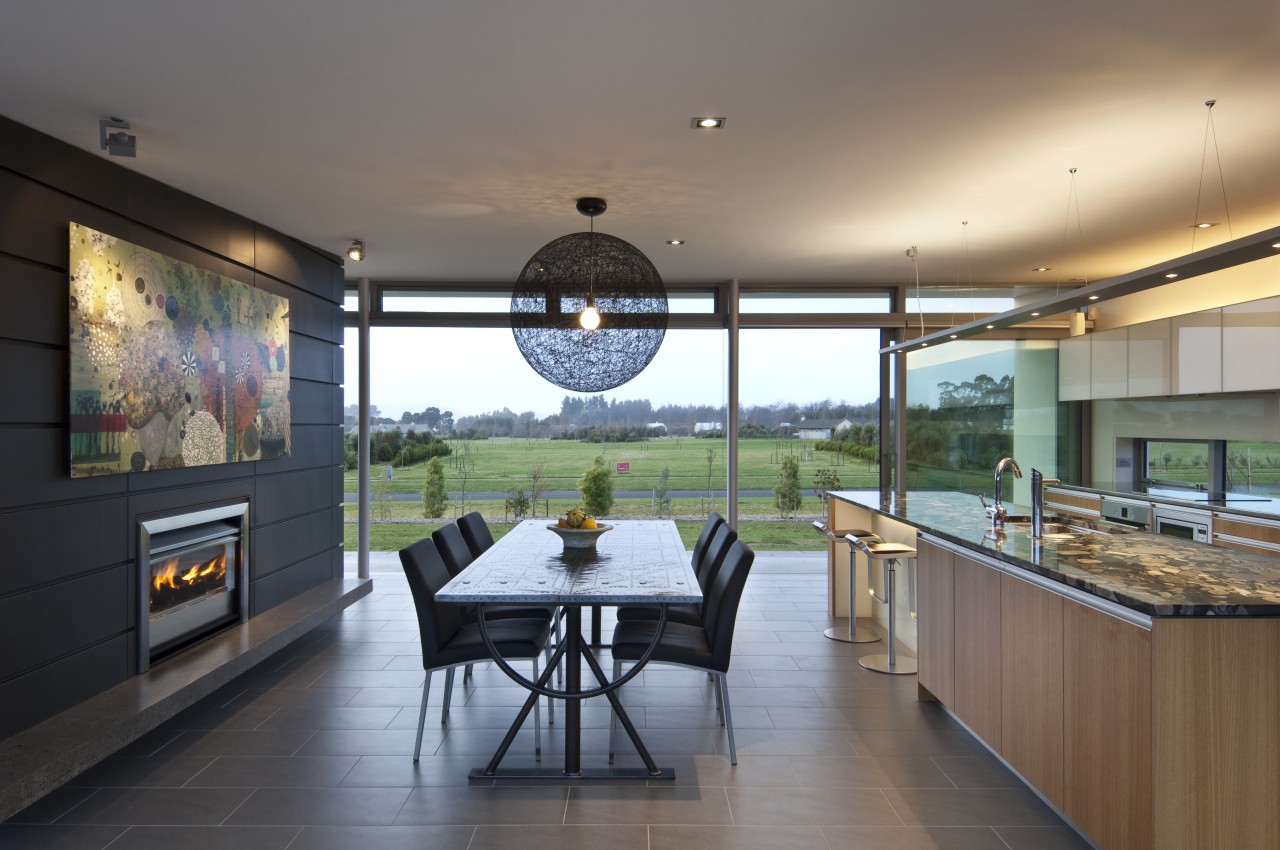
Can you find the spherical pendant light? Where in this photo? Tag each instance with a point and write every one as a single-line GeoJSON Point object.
{"type": "Point", "coordinates": [589, 310]}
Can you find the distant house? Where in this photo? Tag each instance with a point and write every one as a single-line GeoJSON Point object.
{"type": "Point", "coordinates": [821, 429]}
{"type": "Point", "coordinates": [704, 427]}
{"type": "Point", "coordinates": [657, 426]}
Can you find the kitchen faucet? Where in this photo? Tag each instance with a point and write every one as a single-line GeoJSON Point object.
{"type": "Point", "coordinates": [1037, 501]}
{"type": "Point", "coordinates": [997, 511]}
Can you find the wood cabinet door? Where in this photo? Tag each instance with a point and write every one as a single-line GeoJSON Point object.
{"type": "Point", "coordinates": [1031, 684]}
{"type": "Point", "coordinates": [1107, 776]}
{"type": "Point", "coordinates": [977, 648]}
{"type": "Point", "coordinates": [935, 629]}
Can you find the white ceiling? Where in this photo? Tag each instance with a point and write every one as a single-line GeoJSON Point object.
{"type": "Point", "coordinates": [454, 136]}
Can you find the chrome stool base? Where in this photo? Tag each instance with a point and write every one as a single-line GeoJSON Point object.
{"type": "Point", "coordinates": [860, 635]}
{"type": "Point", "coordinates": [882, 664]}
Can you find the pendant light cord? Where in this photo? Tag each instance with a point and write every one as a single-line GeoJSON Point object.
{"type": "Point", "coordinates": [1072, 197]}
{"type": "Point", "coordinates": [1210, 132]}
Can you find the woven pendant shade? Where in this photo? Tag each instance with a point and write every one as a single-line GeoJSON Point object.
{"type": "Point", "coordinates": [554, 288]}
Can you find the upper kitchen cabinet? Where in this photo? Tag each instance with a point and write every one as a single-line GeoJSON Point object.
{"type": "Point", "coordinates": [1074, 369]}
{"type": "Point", "coordinates": [1197, 352]}
{"type": "Point", "coordinates": [1251, 342]}
{"type": "Point", "coordinates": [1109, 364]}
{"type": "Point", "coordinates": [1149, 369]}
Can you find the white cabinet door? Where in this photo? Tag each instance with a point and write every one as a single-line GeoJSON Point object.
{"type": "Point", "coordinates": [1251, 346]}
{"type": "Point", "coordinates": [1073, 369]}
{"type": "Point", "coordinates": [1149, 358]}
{"type": "Point", "coordinates": [1197, 351]}
{"type": "Point", "coordinates": [1109, 364]}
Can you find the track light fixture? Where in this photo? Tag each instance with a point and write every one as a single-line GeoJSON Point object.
{"type": "Point", "coordinates": [119, 143]}
{"type": "Point", "coordinates": [356, 252]}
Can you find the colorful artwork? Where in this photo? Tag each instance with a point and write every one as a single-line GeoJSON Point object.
{"type": "Point", "coordinates": [171, 365]}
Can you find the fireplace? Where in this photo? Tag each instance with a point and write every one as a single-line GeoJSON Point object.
{"type": "Point", "coordinates": [191, 578]}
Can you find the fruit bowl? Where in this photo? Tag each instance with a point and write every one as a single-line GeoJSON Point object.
{"type": "Point", "coordinates": [579, 538]}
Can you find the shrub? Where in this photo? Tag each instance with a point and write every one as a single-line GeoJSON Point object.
{"type": "Point", "coordinates": [434, 497]}
{"type": "Point", "coordinates": [787, 494]}
{"type": "Point", "coordinates": [596, 485]}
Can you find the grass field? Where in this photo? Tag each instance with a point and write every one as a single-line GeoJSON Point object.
{"type": "Point", "coordinates": [499, 465]}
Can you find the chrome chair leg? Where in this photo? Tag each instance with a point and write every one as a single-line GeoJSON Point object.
{"type": "Point", "coordinates": [723, 682]}
{"type": "Point", "coordinates": [466, 673]}
{"type": "Point", "coordinates": [551, 704]}
{"type": "Point", "coordinates": [719, 702]}
{"type": "Point", "coordinates": [537, 719]}
{"type": "Point", "coordinates": [448, 694]}
{"type": "Point", "coordinates": [559, 637]}
{"type": "Point", "coordinates": [613, 717]}
{"type": "Point", "coordinates": [422, 717]}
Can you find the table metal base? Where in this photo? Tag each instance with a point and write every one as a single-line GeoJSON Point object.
{"type": "Point", "coordinates": [590, 774]}
{"type": "Point", "coordinates": [882, 664]}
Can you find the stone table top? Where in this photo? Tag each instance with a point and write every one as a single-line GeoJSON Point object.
{"type": "Point", "coordinates": [636, 562]}
{"type": "Point", "coordinates": [1152, 573]}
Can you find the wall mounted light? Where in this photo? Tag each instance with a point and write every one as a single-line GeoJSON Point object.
{"type": "Point", "coordinates": [356, 252]}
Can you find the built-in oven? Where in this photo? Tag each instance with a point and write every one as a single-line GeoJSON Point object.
{"type": "Point", "coordinates": [1189, 525]}
{"type": "Point", "coordinates": [1126, 512]}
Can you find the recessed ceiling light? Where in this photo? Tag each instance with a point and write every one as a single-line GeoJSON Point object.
{"type": "Point", "coordinates": [1042, 268]}
{"type": "Point", "coordinates": [1035, 314]}
{"type": "Point", "coordinates": [707, 123]}
{"type": "Point", "coordinates": [991, 327]}
{"type": "Point", "coordinates": [924, 345]}
{"type": "Point", "coordinates": [1277, 245]}
{"type": "Point", "coordinates": [1093, 298]}
{"type": "Point", "coordinates": [675, 241]}
{"type": "Point", "coordinates": [954, 336]}
{"type": "Point", "coordinates": [1171, 275]}
{"type": "Point", "coordinates": [1204, 224]}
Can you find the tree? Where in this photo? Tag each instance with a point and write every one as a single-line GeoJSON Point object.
{"type": "Point", "coordinates": [434, 498]}
{"type": "Point", "coordinates": [596, 485]}
{"type": "Point", "coordinates": [708, 503]}
{"type": "Point", "coordinates": [537, 483]}
{"type": "Point", "coordinates": [786, 495]}
{"type": "Point", "coordinates": [825, 480]}
{"type": "Point", "coordinates": [661, 496]}
{"type": "Point", "coordinates": [517, 503]}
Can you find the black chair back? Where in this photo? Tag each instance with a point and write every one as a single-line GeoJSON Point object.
{"type": "Point", "coordinates": [704, 538]}
{"type": "Point", "coordinates": [438, 622]}
{"type": "Point", "coordinates": [453, 548]}
{"type": "Point", "coordinates": [476, 532]}
{"type": "Point", "coordinates": [717, 550]}
{"type": "Point", "coordinates": [721, 609]}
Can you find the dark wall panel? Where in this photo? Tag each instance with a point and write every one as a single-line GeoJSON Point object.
{"type": "Point", "coordinates": [38, 469]}
{"type": "Point", "coordinates": [190, 219]}
{"type": "Point", "coordinates": [312, 358]}
{"type": "Point", "coordinates": [311, 445]}
{"type": "Point", "coordinates": [35, 302]}
{"type": "Point", "coordinates": [29, 399]}
{"type": "Point", "coordinates": [285, 584]}
{"type": "Point", "coordinates": [47, 545]}
{"type": "Point", "coordinates": [36, 620]}
{"type": "Point", "coordinates": [34, 220]}
{"type": "Point", "coordinates": [62, 166]}
{"type": "Point", "coordinates": [280, 497]}
{"type": "Point", "coordinates": [278, 546]}
{"type": "Point", "coordinates": [43, 692]}
{"type": "Point", "coordinates": [287, 259]}
{"type": "Point", "coordinates": [309, 315]}
{"type": "Point", "coordinates": [315, 403]}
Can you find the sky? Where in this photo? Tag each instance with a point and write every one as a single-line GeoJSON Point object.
{"type": "Point", "coordinates": [476, 370]}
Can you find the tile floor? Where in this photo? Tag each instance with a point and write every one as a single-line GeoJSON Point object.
{"type": "Point", "coordinates": [311, 751]}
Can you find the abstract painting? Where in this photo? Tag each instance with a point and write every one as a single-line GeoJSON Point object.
{"type": "Point", "coordinates": [171, 365]}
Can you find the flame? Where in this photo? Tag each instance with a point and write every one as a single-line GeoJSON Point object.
{"type": "Point", "coordinates": [167, 576]}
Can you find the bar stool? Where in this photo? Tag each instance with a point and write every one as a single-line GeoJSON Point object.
{"type": "Point", "coordinates": [855, 633]}
{"type": "Point", "coordinates": [888, 555]}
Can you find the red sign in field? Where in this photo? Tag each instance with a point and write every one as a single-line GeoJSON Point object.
{"type": "Point", "coordinates": [624, 466]}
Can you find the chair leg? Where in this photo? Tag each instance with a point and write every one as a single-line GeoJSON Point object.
{"type": "Point", "coordinates": [551, 704]}
{"type": "Point", "coordinates": [422, 717]}
{"type": "Point", "coordinates": [559, 637]}
{"type": "Point", "coordinates": [613, 716]}
{"type": "Point", "coordinates": [722, 682]}
{"type": "Point", "coordinates": [466, 673]}
{"type": "Point", "coordinates": [448, 694]}
{"type": "Point", "coordinates": [537, 719]}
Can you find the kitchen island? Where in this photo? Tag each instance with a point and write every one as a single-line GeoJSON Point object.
{"type": "Point", "coordinates": [1132, 679]}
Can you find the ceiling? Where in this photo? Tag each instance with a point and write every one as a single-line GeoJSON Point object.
{"type": "Point", "coordinates": [453, 137]}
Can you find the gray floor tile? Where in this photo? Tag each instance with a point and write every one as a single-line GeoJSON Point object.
{"type": "Point", "coordinates": [565, 837]}
{"type": "Point", "coordinates": [207, 838]}
{"type": "Point", "coordinates": [1041, 838]}
{"type": "Point", "coordinates": [869, 772]}
{"type": "Point", "coordinates": [157, 806]}
{"type": "Point", "coordinates": [270, 771]}
{"type": "Point", "coordinates": [629, 804]}
{"type": "Point", "coordinates": [790, 742]}
{"type": "Point", "coordinates": [487, 805]}
{"type": "Point", "coordinates": [384, 837]}
{"type": "Point", "coordinates": [913, 838]}
{"type": "Point", "coordinates": [283, 742]}
{"type": "Point", "coordinates": [915, 742]}
{"type": "Point", "coordinates": [320, 807]}
{"type": "Point", "coordinates": [400, 771]}
{"type": "Point", "coordinates": [970, 807]}
{"type": "Point", "coordinates": [348, 742]}
{"type": "Point", "coordinates": [669, 837]}
{"type": "Point", "coordinates": [811, 807]}
{"type": "Point", "coordinates": [980, 771]}
{"type": "Point", "coordinates": [715, 770]}
{"type": "Point", "coordinates": [15, 836]}
{"type": "Point", "coordinates": [127, 771]}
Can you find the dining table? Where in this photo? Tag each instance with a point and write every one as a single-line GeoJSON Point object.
{"type": "Point", "coordinates": [634, 562]}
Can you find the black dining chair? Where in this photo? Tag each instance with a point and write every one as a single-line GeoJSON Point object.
{"type": "Point", "coordinates": [475, 531]}
{"type": "Point", "coordinates": [448, 641]}
{"type": "Point", "coordinates": [457, 556]}
{"type": "Point", "coordinates": [706, 569]}
{"type": "Point", "coordinates": [704, 537]}
{"type": "Point", "coordinates": [707, 647]}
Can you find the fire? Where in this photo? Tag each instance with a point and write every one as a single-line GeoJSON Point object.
{"type": "Point", "coordinates": [167, 576]}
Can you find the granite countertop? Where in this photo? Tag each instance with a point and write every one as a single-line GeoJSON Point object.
{"type": "Point", "coordinates": [1155, 574]}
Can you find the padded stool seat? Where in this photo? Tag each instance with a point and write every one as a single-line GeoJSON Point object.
{"type": "Point", "coordinates": [854, 633]}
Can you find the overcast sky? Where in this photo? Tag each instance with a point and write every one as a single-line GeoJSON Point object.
{"type": "Point", "coordinates": [476, 370]}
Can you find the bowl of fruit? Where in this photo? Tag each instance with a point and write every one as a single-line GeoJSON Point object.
{"type": "Point", "coordinates": [577, 530]}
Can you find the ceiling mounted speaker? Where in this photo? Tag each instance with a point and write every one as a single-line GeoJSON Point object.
{"type": "Point", "coordinates": [589, 311]}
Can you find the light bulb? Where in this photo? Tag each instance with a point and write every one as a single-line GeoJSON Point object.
{"type": "Point", "coordinates": [590, 317]}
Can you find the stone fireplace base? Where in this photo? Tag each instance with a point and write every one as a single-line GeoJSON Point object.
{"type": "Point", "coordinates": [44, 757]}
